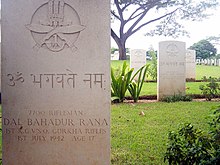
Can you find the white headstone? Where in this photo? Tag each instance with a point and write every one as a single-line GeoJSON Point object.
{"type": "Point", "coordinates": [215, 62]}
{"type": "Point", "coordinates": [171, 68]}
{"type": "Point", "coordinates": [209, 62]}
{"type": "Point", "coordinates": [56, 82]}
{"type": "Point", "coordinates": [137, 59]}
{"type": "Point", "coordinates": [218, 62]}
{"type": "Point", "coordinates": [115, 56]}
{"type": "Point", "coordinates": [190, 64]}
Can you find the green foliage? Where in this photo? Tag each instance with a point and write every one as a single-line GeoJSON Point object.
{"type": "Point", "coordinates": [215, 138]}
{"type": "Point", "coordinates": [135, 87]}
{"type": "Point", "coordinates": [120, 82]}
{"type": "Point", "coordinates": [211, 89]}
{"type": "Point", "coordinates": [187, 146]}
{"type": "Point", "coordinates": [176, 98]}
{"type": "Point", "coordinates": [152, 71]}
{"type": "Point", "coordinates": [190, 146]}
{"type": "Point", "coordinates": [204, 49]}
{"type": "Point", "coordinates": [217, 56]}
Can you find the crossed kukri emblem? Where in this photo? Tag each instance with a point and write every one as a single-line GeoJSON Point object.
{"type": "Point", "coordinates": [54, 30]}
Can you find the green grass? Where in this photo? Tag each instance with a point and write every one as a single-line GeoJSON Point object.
{"type": "Point", "coordinates": [204, 70]}
{"type": "Point", "coordinates": [141, 140]}
{"type": "Point", "coordinates": [150, 88]}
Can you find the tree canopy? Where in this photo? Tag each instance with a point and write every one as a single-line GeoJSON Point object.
{"type": "Point", "coordinates": [164, 15]}
{"type": "Point", "coordinates": [204, 49]}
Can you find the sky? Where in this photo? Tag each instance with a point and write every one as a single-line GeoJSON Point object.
{"type": "Point", "coordinates": [198, 31]}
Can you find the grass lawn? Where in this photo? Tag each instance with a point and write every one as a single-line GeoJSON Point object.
{"type": "Point", "coordinates": [204, 70]}
{"type": "Point", "coordinates": [151, 88]}
{"type": "Point", "coordinates": [141, 140]}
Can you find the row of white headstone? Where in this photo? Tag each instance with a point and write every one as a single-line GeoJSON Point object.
{"type": "Point", "coordinates": [213, 62]}
{"type": "Point", "coordinates": [175, 65]}
{"type": "Point", "coordinates": [138, 59]}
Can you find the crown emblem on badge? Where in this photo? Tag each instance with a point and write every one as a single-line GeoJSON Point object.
{"type": "Point", "coordinates": [55, 25]}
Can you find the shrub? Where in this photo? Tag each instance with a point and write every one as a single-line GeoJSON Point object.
{"type": "Point", "coordinates": [120, 82]}
{"type": "Point", "coordinates": [152, 71]}
{"type": "Point", "coordinates": [176, 98]}
{"type": "Point", "coordinates": [211, 89]}
{"type": "Point", "coordinates": [135, 87]}
{"type": "Point", "coordinates": [190, 146]}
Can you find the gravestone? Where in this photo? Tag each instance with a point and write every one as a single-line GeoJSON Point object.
{"type": "Point", "coordinates": [215, 62]}
{"type": "Point", "coordinates": [209, 62]}
{"type": "Point", "coordinates": [115, 56]}
{"type": "Point", "coordinates": [137, 59]}
{"type": "Point", "coordinates": [0, 69]}
{"type": "Point", "coordinates": [190, 64]}
{"type": "Point", "coordinates": [171, 69]}
{"type": "Point", "coordinates": [218, 62]}
{"type": "Point", "coordinates": [56, 82]}
{"type": "Point", "coordinates": [212, 62]}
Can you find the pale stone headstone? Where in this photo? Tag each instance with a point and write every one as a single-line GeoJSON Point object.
{"type": "Point", "coordinates": [137, 59]}
{"type": "Point", "coordinates": [171, 68]}
{"type": "Point", "coordinates": [215, 62]}
{"type": "Point", "coordinates": [218, 62]}
{"type": "Point", "coordinates": [56, 82]}
{"type": "Point", "coordinates": [209, 62]}
{"type": "Point", "coordinates": [115, 56]}
{"type": "Point", "coordinates": [212, 62]}
{"type": "Point", "coordinates": [190, 64]}
{"type": "Point", "coordinates": [0, 67]}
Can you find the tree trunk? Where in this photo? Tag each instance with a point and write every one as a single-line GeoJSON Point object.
{"type": "Point", "coordinates": [121, 45]}
{"type": "Point", "coordinates": [122, 51]}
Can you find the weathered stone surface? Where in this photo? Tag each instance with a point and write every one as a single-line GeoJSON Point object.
{"type": "Point", "coordinates": [171, 68]}
{"type": "Point", "coordinates": [190, 64]}
{"type": "Point", "coordinates": [56, 82]}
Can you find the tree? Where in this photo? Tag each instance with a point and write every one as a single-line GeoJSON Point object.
{"type": "Point", "coordinates": [215, 40]}
{"type": "Point", "coordinates": [132, 15]}
{"type": "Point", "coordinates": [204, 49]}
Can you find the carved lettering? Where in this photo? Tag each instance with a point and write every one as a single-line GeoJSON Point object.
{"type": "Point", "coordinates": [93, 122]}
{"type": "Point", "coordinates": [12, 122]}
{"type": "Point", "coordinates": [94, 79]}
{"type": "Point", "coordinates": [50, 122]}
{"type": "Point", "coordinates": [15, 77]}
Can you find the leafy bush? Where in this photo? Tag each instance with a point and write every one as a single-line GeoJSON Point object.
{"type": "Point", "coordinates": [120, 82]}
{"type": "Point", "coordinates": [152, 71]}
{"type": "Point", "coordinates": [190, 146]}
{"type": "Point", "coordinates": [176, 98]}
{"type": "Point", "coordinates": [211, 89]}
{"type": "Point", "coordinates": [135, 87]}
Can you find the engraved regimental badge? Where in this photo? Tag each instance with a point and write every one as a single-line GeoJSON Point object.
{"type": "Point", "coordinates": [55, 25]}
{"type": "Point", "coordinates": [172, 50]}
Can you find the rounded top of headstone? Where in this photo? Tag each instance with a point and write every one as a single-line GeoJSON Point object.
{"type": "Point", "coordinates": [171, 41]}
